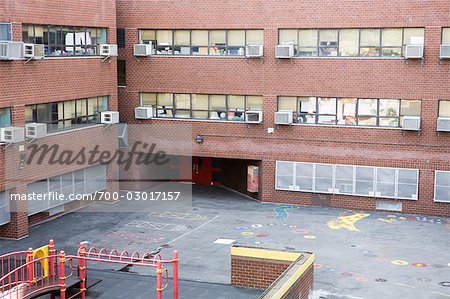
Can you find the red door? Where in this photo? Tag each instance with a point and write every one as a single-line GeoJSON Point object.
{"type": "Point", "coordinates": [202, 170]}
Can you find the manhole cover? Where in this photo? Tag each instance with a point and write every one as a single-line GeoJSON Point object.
{"type": "Point", "coordinates": [445, 284]}
{"type": "Point", "coordinates": [438, 266]}
{"type": "Point", "coordinates": [381, 280]}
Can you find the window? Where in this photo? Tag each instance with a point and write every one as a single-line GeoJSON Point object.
{"type": "Point", "coordinates": [67, 114]}
{"type": "Point", "coordinates": [446, 36]}
{"type": "Point", "coordinates": [386, 42]}
{"type": "Point", "coordinates": [351, 111]}
{"type": "Point", "coordinates": [5, 31]}
{"type": "Point", "coordinates": [442, 186]}
{"type": "Point", "coordinates": [400, 183]}
{"type": "Point", "coordinates": [121, 73]}
{"type": "Point", "coordinates": [5, 117]}
{"type": "Point", "coordinates": [201, 106]}
{"type": "Point", "coordinates": [5, 213]}
{"type": "Point", "coordinates": [121, 37]}
{"type": "Point", "coordinates": [444, 108]}
{"type": "Point", "coordinates": [202, 42]}
{"type": "Point", "coordinates": [65, 41]}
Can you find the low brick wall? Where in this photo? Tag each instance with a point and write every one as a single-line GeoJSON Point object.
{"type": "Point", "coordinates": [282, 274]}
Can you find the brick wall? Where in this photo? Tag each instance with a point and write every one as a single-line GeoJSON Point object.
{"type": "Point", "coordinates": [326, 77]}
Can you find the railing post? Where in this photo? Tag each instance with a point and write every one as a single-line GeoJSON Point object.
{"type": "Point", "coordinates": [175, 274]}
{"type": "Point", "coordinates": [30, 266]}
{"type": "Point", "coordinates": [51, 260]}
{"type": "Point", "coordinates": [82, 269]}
{"type": "Point", "coordinates": [62, 274]}
{"type": "Point", "coordinates": [159, 272]}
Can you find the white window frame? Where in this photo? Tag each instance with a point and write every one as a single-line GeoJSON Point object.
{"type": "Point", "coordinates": [9, 30]}
{"type": "Point", "coordinates": [435, 185]}
{"type": "Point", "coordinates": [6, 205]}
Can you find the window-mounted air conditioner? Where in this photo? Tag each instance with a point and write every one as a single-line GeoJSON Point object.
{"type": "Point", "coordinates": [284, 51]}
{"type": "Point", "coordinates": [144, 112]}
{"type": "Point", "coordinates": [413, 51]}
{"type": "Point", "coordinates": [445, 51]}
{"type": "Point", "coordinates": [107, 50]}
{"type": "Point", "coordinates": [254, 51]}
{"type": "Point", "coordinates": [142, 50]}
{"type": "Point", "coordinates": [109, 117]}
{"type": "Point", "coordinates": [35, 130]}
{"type": "Point", "coordinates": [11, 50]}
{"type": "Point", "coordinates": [284, 117]}
{"type": "Point", "coordinates": [443, 124]}
{"type": "Point", "coordinates": [254, 117]}
{"type": "Point", "coordinates": [411, 123]}
{"type": "Point", "coordinates": [12, 135]}
{"type": "Point", "coordinates": [33, 51]}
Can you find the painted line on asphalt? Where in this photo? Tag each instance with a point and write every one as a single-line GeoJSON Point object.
{"type": "Point", "coordinates": [442, 294]}
{"type": "Point", "coordinates": [405, 285]}
{"type": "Point", "coordinates": [197, 228]}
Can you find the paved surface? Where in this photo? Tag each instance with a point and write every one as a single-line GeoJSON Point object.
{"type": "Point", "coordinates": [358, 254]}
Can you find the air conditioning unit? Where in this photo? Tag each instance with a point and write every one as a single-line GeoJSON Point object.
{"type": "Point", "coordinates": [11, 50]}
{"type": "Point", "coordinates": [144, 112]}
{"type": "Point", "coordinates": [445, 51]}
{"type": "Point", "coordinates": [143, 50]}
{"type": "Point", "coordinates": [284, 117]}
{"type": "Point", "coordinates": [109, 117]}
{"type": "Point", "coordinates": [443, 124]}
{"type": "Point", "coordinates": [411, 123]}
{"type": "Point", "coordinates": [284, 51]}
{"type": "Point", "coordinates": [35, 130]}
{"type": "Point", "coordinates": [254, 51]}
{"type": "Point", "coordinates": [254, 117]}
{"type": "Point", "coordinates": [12, 135]}
{"type": "Point", "coordinates": [413, 51]}
{"type": "Point", "coordinates": [107, 50]}
{"type": "Point", "coordinates": [33, 51]}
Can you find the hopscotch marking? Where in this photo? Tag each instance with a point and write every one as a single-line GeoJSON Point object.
{"type": "Point", "coordinates": [183, 216]}
{"type": "Point", "coordinates": [347, 222]}
{"type": "Point", "coordinates": [157, 226]}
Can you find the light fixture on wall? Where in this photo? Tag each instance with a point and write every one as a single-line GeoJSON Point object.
{"type": "Point", "coordinates": [199, 139]}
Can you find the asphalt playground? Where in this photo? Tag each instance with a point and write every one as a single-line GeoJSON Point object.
{"type": "Point", "coordinates": [359, 254]}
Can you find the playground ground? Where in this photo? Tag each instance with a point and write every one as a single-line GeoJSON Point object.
{"type": "Point", "coordinates": [358, 254]}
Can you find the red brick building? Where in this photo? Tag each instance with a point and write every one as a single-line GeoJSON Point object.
{"type": "Point", "coordinates": [364, 132]}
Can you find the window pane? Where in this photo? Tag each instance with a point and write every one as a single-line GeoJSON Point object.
{"type": "Point", "coordinates": [304, 176]}
{"type": "Point", "coordinates": [285, 174]}
{"type": "Point", "coordinates": [199, 37]}
{"type": "Point", "coordinates": [43, 113]}
{"type": "Point", "coordinates": [182, 38]}
{"type": "Point", "coordinates": [444, 108]}
{"type": "Point", "coordinates": [385, 182]}
{"type": "Point", "coordinates": [165, 99]}
{"type": "Point", "coordinates": [407, 183]}
{"type": "Point", "coordinates": [4, 32]}
{"type": "Point", "coordinates": [183, 113]}
{"type": "Point", "coordinates": [182, 101]}
{"type": "Point", "coordinates": [69, 110]}
{"type": "Point", "coordinates": [236, 38]}
{"type": "Point", "coordinates": [446, 35]}
{"type": "Point", "coordinates": [391, 38]}
{"type": "Point", "coordinates": [327, 106]}
{"type": "Point", "coordinates": [254, 103]}
{"type": "Point", "coordinates": [389, 107]}
{"type": "Point", "coordinates": [217, 37]}
{"type": "Point", "coordinates": [5, 117]}
{"type": "Point", "coordinates": [307, 107]}
{"type": "Point", "coordinates": [199, 102]}
{"type": "Point", "coordinates": [411, 107]}
{"type": "Point", "coordinates": [348, 42]}
{"type": "Point", "coordinates": [255, 37]}
{"type": "Point", "coordinates": [442, 188]}
{"type": "Point", "coordinates": [367, 107]}
{"type": "Point", "coordinates": [324, 178]}
{"type": "Point", "coordinates": [81, 107]}
{"type": "Point", "coordinates": [413, 36]}
{"type": "Point", "coordinates": [287, 103]}
{"type": "Point", "coordinates": [200, 114]}
{"type": "Point", "coordinates": [344, 179]}
{"type": "Point", "coordinates": [328, 42]}
{"type": "Point", "coordinates": [346, 113]}
{"type": "Point", "coordinates": [164, 37]}
{"type": "Point", "coordinates": [93, 106]}
{"type": "Point", "coordinates": [102, 36]}
{"type": "Point", "coordinates": [370, 38]}
{"type": "Point", "coordinates": [217, 102]}
{"type": "Point", "coordinates": [289, 37]}
{"type": "Point", "coordinates": [364, 180]}
{"type": "Point", "coordinates": [236, 103]}
{"type": "Point", "coordinates": [307, 38]}
{"type": "Point", "coordinates": [148, 35]}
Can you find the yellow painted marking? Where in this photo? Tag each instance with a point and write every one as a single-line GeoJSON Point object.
{"type": "Point", "coordinates": [310, 237]}
{"type": "Point", "coordinates": [347, 222]}
{"type": "Point", "coordinates": [246, 233]}
{"type": "Point", "coordinates": [405, 285]}
{"type": "Point", "coordinates": [400, 263]}
{"type": "Point", "coordinates": [288, 256]}
{"type": "Point", "coordinates": [402, 218]}
{"type": "Point", "coordinates": [442, 294]}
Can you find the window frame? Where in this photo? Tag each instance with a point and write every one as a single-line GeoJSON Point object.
{"type": "Point", "coordinates": [6, 205]}
{"type": "Point", "coordinates": [9, 29]}
{"type": "Point", "coordinates": [435, 187]}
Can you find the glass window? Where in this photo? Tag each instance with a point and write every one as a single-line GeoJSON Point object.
{"type": "Point", "coordinates": [446, 36]}
{"type": "Point", "coordinates": [391, 42]}
{"type": "Point", "coordinates": [121, 73]}
{"type": "Point", "coordinates": [326, 111]}
{"type": "Point", "coordinates": [349, 42]}
{"type": "Point", "coordinates": [328, 42]}
{"type": "Point", "coordinates": [307, 42]}
{"type": "Point", "coordinates": [147, 36]}
{"type": "Point", "coordinates": [442, 186]}
{"type": "Point", "coordinates": [370, 42]}
{"type": "Point", "coordinates": [344, 179]}
{"type": "Point", "coordinates": [287, 103]}
{"type": "Point", "coordinates": [324, 178]}
{"type": "Point", "coordinates": [289, 37]}
{"type": "Point", "coordinates": [385, 186]}
{"type": "Point", "coordinates": [165, 104]}
{"type": "Point", "coordinates": [413, 36]}
{"type": "Point", "coordinates": [5, 117]}
{"type": "Point", "coordinates": [307, 109]}
{"type": "Point", "coordinates": [217, 40]}
{"type": "Point", "coordinates": [304, 176]}
{"type": "Point", "coordinates": [182, 42]}
{"type": "Point", "coordinates": [199, 39]}
{"type": "Point", "coordinates": [5, 214]}
{"type": "Point", "coordinates": [389, 112]}
{"type": "Point", "coordinates": [5, 31]}
{"type": "Point", "coordinates": [444, 108]}
{"type": "Point", "coordinates": [164, 42]}
{"type": "Point", "coordinates": [364, 180]}
{"type": "Point", "coordinates": [367, 112]}
{"type": "Point", "coordinates": [284, 175]}
{"type": "Point", "coordinates": [183, 105]}
{"type": "Point", "coordinates": [236, 42]}
{"type": "Point", "coordinates": [407, 183]}
{"type": "Point", "coordinates": [254, 103]}
{"type": "Point", "coordinates": [255, 37]}
{"type": "Point", "coordinates": [346, 113]}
